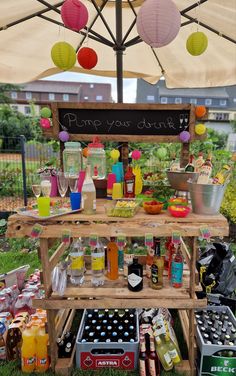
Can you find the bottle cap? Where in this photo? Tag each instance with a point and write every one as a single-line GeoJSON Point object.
{"type": "Point", "coordinates": [72, 145]}
{"type": "Point", "coordinates": [96, 143]}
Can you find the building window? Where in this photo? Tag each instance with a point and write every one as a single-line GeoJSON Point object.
{"type": "Point", "coordinates": [178, 100]}
{"type": "Point", "coordinates": [28, 95]}
{"type": "Point", "coordinates": [14, 95]}
{"type": "Point", "coordinates": [193, 101]}
{"type": "Point", "coordinates": [27, 110]}
{"type": "Point", "coordinates": [234, 100]}
{"type": "Point", "coordinates": [51, 96]}
{"type": "Point", "coordinates": [91, 86]}
{"type": "Point", "coordinates": [86, 98]}
{"type": "Point", "coordinates": [223, 102]}
{"type": "Point", "coordinates": [150, 98]}
{"type": "Point", "coordinates": [163, 100]}
{"type": "Point", "coordinates": [15, 108]}
{"type": "Point", "coordinates": [208, 102]}
{"type": "Point", "coordinates": [99, 97]}
{"type": "Point", "coordinates": [66, 97]}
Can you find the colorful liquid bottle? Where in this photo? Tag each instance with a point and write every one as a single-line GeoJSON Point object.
{"type": "Point", "coordinates": [129, 183]}
{"type": "Point", "coordinates": [28, 350]}
{"type": "Point", "coordinates": [42, 360]}
{"type": "Point", "coordinates": [112, 260]}
{"type": "Point", "coordinates": [177, 269]}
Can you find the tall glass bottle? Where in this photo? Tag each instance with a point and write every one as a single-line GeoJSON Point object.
{"type": "Point", "coordinates": [156, 281]}
{"type": "Point", "coordinates": [88, 193]}
{"type": "Point", "coordinates": [153, 361]}
{"type": "Point", "coordinates": [190, 165]}
{"type": "Point", "coordinates": [205, 171]}
{"type": "Point", "coordinates": [143, 358]}
{"type": "Point", "coordinates": [163, 354]}
{"type": "Point", "coordinates": [77, 263]}
{"type": "Point", "coordinates": [177, 269]}
{"type": "Point", "coordinates": [112, 260]}
{"type": "Point", "coordinates": [135, 276]}
{"type": "Point", "coordinates": [129, 183]}
{"type": "Point", "coordinates": [98, 264]}
{"type": "Point", "coordinates": [173, 350]}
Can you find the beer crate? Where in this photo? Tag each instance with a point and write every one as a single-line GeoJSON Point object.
{"type": "Point", "coordinates": [209, 364]}
{"type": "Point", "coordinates": [118, 355]}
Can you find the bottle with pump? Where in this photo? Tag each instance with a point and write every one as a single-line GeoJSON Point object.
{"type": "Point", "coordinates": [88, 193]}
{"type": "Point", "coordinates": [129, 183]}
{"type": "Point", "coordinates": [157, 268]}
{"type": "Point", "coordinates": [112, 260]}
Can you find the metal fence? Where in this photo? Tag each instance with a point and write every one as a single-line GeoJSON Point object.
{"type": "Point", "coordinates": [19, 162]}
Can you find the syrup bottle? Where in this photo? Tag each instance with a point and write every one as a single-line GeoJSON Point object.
{"type": "Point", "coordinates": [129, 183]}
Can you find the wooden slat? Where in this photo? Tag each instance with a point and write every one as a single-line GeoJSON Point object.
{"type": "Point", "coordinates": [63, 314]}
{"type": "Point", "coordinates": [56, 255]}
{"type": "Point", "coordinates": [186, 303]}
{"type": "Point", "coordinates": [46, 268]}
{"type": "Point", "coordinates": [187, 258]}
{"type": "Point", "coordinates": [184, 368]}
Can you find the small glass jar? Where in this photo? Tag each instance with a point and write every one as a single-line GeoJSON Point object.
{"type": "Point", "coordinates": [72, 158]}
{"type": "Point", "coordinates": [97, 159]}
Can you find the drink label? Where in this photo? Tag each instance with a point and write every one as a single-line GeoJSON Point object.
{"type": "Point", "coordinates": [77, 260]}
{"type": "Point", "coordinates": [148, 271]}
{"type": "Point", "coordinates": [177, 272]}
{"type": "Point", "coordinates": [65, 237]}
{"type": "Point", "coordinates": [174, 356]}
{"type": "Point", "coordinates": [41, 361]}
{"type": "Point", "coordinates": [98, 261]}
{"type": "Point", "coordinates": [28, 361]}
{"type": "Point", "coordinates": [142, 367]}
{"type": "Point", "coordinates": [154, 274]}
{"type": "Point", "coordinates": [93, 239]}
{"type": "Point", "coordinates": [36, 231]}
{"type": "Point", "coordinates": [149, 240]}
{"type": "Point", "coordinates": [94, 204]}
{"type": "Point", "coordinates": [152, 367]}
{"type": "Point", "coordinates": [168, 359]}
{"type": "Point", "coordinates": [134, 279]}
{"type": "Point", "coordinates": [176, 237]}
{"type": "Point", "coordinates": [129, 185]}
{"type": "Point", "coordinates": [205, 233]}
{"type": "Point", "coordinates": [120, 241]}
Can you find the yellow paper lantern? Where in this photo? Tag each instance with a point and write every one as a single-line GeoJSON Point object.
{"type": "Point", "coordinates": [197, 43]}
{"type": "Point", "coordinates": [115, 154]}
{"type": "Point", "coordinates": [200, 129]}
{"type": "Point", "coordinates": [63, 55]}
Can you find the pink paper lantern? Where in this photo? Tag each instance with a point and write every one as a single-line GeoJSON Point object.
{"type": "Point", "coordinates": [158, 22]}
{"type": "Point", "coordinates": [64, 136]}
{"type": "Point", "coordinates": [184, 136]}
{"type": "Point", "coordinates": [45, 123]}
{"type": "Point", "coordinates": [136, 155]}
{"type": "Point", "coordinates": [74, 14]}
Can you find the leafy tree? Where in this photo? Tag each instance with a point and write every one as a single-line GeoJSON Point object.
{"type": "Point", "coordinates": [4, 92]}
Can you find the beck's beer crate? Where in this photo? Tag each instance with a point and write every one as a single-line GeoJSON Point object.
{"type": "Point", "coordinates": [108, 339]}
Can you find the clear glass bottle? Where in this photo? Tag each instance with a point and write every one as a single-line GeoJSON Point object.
{"type": "Point", "coordinates": [97, 159]}
{"type": "Point", "coordinates": [88, 193]}
{"type": "Point", "coordinates": [72, 158]}
{"type": "Point", "coordinates": [98, 264]}
{"type": "Point", "coordinates": [163, 354]}
{"type": "Point", "coordinates": [76, 256]}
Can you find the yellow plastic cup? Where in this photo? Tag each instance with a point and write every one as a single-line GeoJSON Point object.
{"type": "Point", "coordinates": [117, 191]}
{"type": "Point", "coordinates": [43, 206]}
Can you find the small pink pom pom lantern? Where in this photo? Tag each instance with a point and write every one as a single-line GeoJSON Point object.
{"type": "Point", "coordinates": [64, 136]}
{"type": "Point", "coordinates": [136, 155]}
{"type": "Point", "coordinates": [158, 22]}
{"type": "Point", "coordinates": [74, 14]}
{"type": "Point", "coordinates": [45, 123]}
{"type": "Point", "coordinates": [184, 136]}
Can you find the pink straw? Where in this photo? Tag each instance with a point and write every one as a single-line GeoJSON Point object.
{"type": "Point", "coordinates": [81, 180]}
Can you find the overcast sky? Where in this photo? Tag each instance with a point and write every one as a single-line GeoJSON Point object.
{"type": "Point", "coordinates": [129, 91]}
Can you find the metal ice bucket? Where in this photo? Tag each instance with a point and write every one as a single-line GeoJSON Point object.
{"type": "Point", "coordinates": [206, 198]}
{"type": "Point", "coordinates": [178, 179]}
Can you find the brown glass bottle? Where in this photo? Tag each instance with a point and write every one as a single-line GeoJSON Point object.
{"type": "Point", "coordinates": [156, 281]}
{"type": "Point", "coordinates": [143, 358]}
{"type": "Point", "coordinates": [153, 360]}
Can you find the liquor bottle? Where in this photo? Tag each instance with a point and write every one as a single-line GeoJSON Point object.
{"type": "Point", "coordinates": [156, 281]}
{"type": "Point", "coordinates": [88, 193]}
{"type": "Point", "coordinates": [222, 175]}
{"type": "Point", "coordinates": [199, 162]}
{"type": "Point", "coordinates": [190, 165]}
{"type": "Point", "coordinates": [112, 260]}
{"type": "Point", "coordinates": [149, 261]}
{"type": "Point", "coordinates": [128, 259]}
{"type": "Point", "coordinates": [135, 276]}
{"type": "Point", "coordinates": [174, 165]}
{"type": "Point", "coordinates": [177, 269]}
{"type": "Point", "coordinates": [163, 354]}
{"type": "Point", "coordinates": [173, 350]}
{"type": "Point", "coordinates": [153, 360]}
{"type": "Point", "coordinates": [143, 358]}
{"type": "Point", "coordinates": [205, 171]}
{"type": "Point", "coordinates": [129, 183]}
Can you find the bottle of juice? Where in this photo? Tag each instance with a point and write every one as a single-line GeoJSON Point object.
{"type": "Point", "coordinates": [163, 354]}
{"type": "Point", "coordinates": [88, 193]}
{"type": "Point", "coordinates": [112, 260]}
{"type": "Point", "coordinates": [42, 360]}
{"type": "Point", "coordinates": [28, 350]}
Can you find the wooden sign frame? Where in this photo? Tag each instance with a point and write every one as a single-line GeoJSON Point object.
{"type": "Point", "coordinates": [56, 128]}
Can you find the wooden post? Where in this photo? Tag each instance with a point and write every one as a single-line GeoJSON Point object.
{"type": "Point", "coordinates": [125, 155]}
{"type": "Point", "coordinates": [184, 155]}
{"type": "Point", "coordinates": [191, 311]}
{"type": "Point", "coordinates": [46, 272]}
{"type": "Point", "coordinates": [51, 326]}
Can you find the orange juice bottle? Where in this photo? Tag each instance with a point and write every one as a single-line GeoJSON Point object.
{"type": "Point", "coordinates": [112, 260]}
{"type": "Point", "coordinates": [28, 350]}
{"type": "Point", "coordinates": [42, 360]}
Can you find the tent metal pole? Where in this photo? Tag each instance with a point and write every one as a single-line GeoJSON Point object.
{"type": "Point", "coordinates": [119, 51]}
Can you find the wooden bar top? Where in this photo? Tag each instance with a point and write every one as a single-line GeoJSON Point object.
{"type": "Point", "coordinates": [83, 225]}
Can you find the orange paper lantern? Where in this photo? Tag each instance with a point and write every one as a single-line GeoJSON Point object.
{"type": "Point", "coordinates": [200, 111]}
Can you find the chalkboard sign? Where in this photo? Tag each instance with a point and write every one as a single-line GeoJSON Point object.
{"type": "Point", "coordinates": [124, 122]}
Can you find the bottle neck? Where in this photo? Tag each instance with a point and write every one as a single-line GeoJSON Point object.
{"type": "Point", "coordinates": [142, 345]}
{"type": "Point", "coordinates": [157, 247]}
{"type": "Point", "coordinates": [152, 345]}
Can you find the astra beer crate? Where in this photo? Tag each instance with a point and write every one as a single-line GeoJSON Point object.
{"type": "Point", "coordinates": [108, 339]}
{"type": "Point", "coordinates": [217, 359]}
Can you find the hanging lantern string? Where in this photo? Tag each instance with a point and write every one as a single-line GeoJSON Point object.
{"type": "Point", "coordinates": [197, 13]}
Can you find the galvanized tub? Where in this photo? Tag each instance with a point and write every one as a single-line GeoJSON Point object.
{"type": "Point", "coordinates": [178, 179]}
{"type": "Point", "coordinates": [206, 198]}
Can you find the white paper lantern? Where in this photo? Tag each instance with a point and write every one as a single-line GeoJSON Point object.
{"type": "Point", "coordinates": [158, 22]}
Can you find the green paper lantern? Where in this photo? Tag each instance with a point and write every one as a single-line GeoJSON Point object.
{"type": "Point", "coordinates": [197, 43]}
{"type": "Point", "coordinates": [45, 112]}
{"type": "Point", "coordinates": [63, 55]}
{"type": "Point", "coordinates": [161, 153]}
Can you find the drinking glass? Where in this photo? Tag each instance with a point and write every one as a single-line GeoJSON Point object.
{"type": "Point", "coordinates": [73, 183]}
{"type": "Point", "coordinates": [62, 182]}
{"type": "Point", "coordinates": [36, 186]}
{"type": "Point", "coordinates": [46, 184]}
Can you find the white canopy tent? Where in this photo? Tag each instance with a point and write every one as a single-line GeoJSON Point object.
{"type": "Point", "coordinates": [29, 28]}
